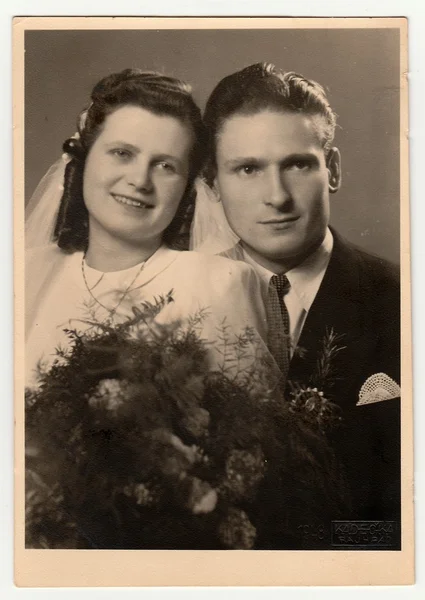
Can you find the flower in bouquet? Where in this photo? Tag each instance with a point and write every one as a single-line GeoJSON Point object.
{"type": "Point", "coordinates": [244, 471]}
{"type": "Point", "coordinates": [144, 494]}
{"type": "Point", "coordinates": [198, 496]}
{"type": "Point", "coordinates": [170, 456]}
{"type": "Point", "coordinates": [236, 530]}
{"type": "Point", "coordinates": [196, 421]}
{"type": "Point", "coordinates": [45, 515]}
{"type": "Point", "coordinates": [109, 395]}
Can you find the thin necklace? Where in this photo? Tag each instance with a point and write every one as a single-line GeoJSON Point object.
{"type": "Point", "coordinates": [112, 311]}
{"type": "Point", "coordinates": [97, 282]}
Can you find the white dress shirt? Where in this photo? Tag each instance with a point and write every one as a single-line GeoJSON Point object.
{"type": "Point", "coordinates": [305, 280]}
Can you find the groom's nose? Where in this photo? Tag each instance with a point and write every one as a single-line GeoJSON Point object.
{"type": "Point", "coordinates": [279, 194]}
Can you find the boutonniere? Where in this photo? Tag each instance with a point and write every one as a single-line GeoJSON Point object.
{"type": "Point", "coordinates": [378, 387]}
{"type": "Point", "coordinates": [309, 400]}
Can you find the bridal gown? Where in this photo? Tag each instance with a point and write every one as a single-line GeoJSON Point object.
{"type": "Point", "coordinates": [58, 298]}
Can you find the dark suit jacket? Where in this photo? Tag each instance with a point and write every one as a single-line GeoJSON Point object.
{"type": "Point", "coordinates": [359, 299]}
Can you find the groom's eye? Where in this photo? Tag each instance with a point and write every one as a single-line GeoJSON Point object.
{"type": "Point", "coordinates": [248, 169]}
{"type": "Point", "coordinates": [301, 163]}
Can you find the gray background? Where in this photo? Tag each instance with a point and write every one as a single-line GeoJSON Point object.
{"type": "Point", "coordinates": [359, 68]}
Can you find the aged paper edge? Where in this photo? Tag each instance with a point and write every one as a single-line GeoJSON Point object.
{"type": "Point", "coordinates": [108, 568]}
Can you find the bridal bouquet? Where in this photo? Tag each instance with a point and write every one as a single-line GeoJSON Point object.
{"type": "Point", "coordinates": [133, 441]}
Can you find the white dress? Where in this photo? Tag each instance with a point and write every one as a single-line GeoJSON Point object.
{"type": "Point", "coordinates": [57, 298]}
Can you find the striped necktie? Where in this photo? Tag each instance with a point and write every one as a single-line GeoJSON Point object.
{"type": "Point", "coordinates": [278, 316]}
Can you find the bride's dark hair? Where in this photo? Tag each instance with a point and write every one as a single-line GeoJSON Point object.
{"type": "Point", "coordinates": [161, 95]}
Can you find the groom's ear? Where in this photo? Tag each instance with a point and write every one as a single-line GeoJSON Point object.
{"type": "Point", "coordinates": [333, 165]}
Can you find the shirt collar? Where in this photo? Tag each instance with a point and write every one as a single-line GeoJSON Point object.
{"type": "Point", "coordinates": [305, 278]}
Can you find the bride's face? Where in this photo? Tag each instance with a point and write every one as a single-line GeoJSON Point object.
{"type": "Point", "coordinates": [135, 175]}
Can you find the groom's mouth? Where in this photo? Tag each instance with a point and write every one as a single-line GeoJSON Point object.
{"type": "Point", "coordinates": [133, 202]}
{"type": "Point", "coordinates": [279, 222]}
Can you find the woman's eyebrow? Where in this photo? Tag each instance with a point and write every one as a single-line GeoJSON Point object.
{"type": "Point", "coordinates": [128, 145]}
{"type": "Point", "coordinates": [163, 156]}
{"type": "Point", "coordinates": [137, 150]}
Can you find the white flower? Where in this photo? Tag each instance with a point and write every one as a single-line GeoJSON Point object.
{"type": "Point", "coordinates": [108, 395]}
{"type": "Point", "coordinates": [206, 504]}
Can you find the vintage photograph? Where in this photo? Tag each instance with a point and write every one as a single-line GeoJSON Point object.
{"type": "Point", "coordinates": [214, 333]}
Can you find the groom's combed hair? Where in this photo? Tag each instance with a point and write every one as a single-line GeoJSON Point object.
{"type": "Point", "coordinates": [259, 87]}
{"type": "Point", "coordinates": [152, 91]}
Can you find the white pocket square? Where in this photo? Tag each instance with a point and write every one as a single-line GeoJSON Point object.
{"type": "Point", "coordinates": [378, 387]}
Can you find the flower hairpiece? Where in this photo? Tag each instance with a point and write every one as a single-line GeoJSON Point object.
{"type": "Point", "coordinates": [83, 118]}
{"type": "Point", "coordinates": [66, 157]}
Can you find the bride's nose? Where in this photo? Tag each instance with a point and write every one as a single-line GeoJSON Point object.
{"type": "Point", "coordinates": [139, 175]}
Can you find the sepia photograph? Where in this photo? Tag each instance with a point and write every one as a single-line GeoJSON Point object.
{"type": "Point", "coordinates": [212, 341]}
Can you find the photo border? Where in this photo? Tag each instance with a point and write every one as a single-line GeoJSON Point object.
{"type": "Point", "coordinates": [205, 568]}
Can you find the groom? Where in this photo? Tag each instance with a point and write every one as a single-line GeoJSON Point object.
{"type": "Point", "coordinates": [273, 166]}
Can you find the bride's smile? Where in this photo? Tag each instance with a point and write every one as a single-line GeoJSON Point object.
{"type": "Point", "coordinates": [135, 175]}
{"type": "Point", "coordinates": [127, 201]}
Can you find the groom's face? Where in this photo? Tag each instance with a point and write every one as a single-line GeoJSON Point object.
{"type": "Point", "coordinates": [273, 181]}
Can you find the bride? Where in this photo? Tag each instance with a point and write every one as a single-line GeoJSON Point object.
{"type": "Point", "coordinates": [105, 227]}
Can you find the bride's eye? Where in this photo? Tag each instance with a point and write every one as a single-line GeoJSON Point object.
{"type": "Point", "coordinates": [121, 153]}
{"type": "Point", "coordinates": [166, 167]}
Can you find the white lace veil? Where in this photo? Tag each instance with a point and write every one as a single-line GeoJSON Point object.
{"type": "Point", "coordinates": [210, 231]}
{"type": "Point", "coordinates": [42, 209]}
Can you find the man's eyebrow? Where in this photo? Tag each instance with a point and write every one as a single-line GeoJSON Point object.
{"type": "Point", "coordinates": [241, 160]}
{"type": "Point", "coordinates": [291, 158]}
{"type": "Point", "coordinates": [308, 157]}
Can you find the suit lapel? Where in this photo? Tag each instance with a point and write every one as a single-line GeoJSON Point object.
{"type": "Point", "coordinates": [337, 307]}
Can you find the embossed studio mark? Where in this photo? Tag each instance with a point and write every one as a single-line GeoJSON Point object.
{"type": "Point", "coordinates": [312, 532]}
{"type": "Point", "coordinates": [364, 533]}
